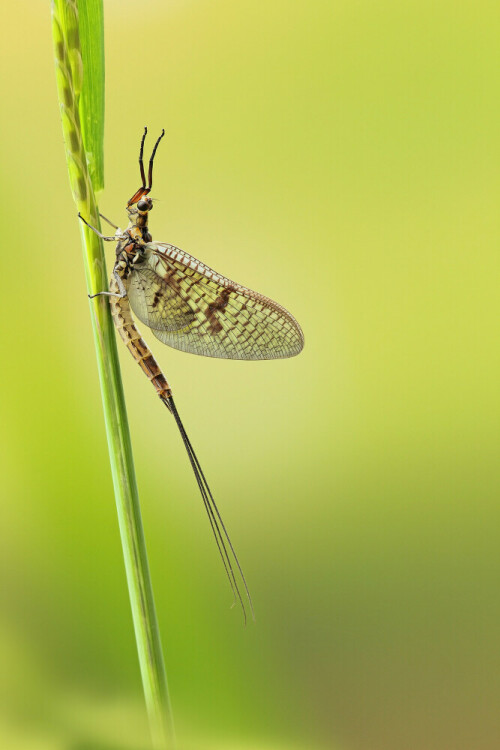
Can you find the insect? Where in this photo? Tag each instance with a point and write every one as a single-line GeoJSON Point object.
{"type": "Point", "coordinates": [190, 307]}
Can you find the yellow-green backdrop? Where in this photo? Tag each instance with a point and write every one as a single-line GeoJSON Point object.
{"type": "Point", "coordinates": [342, 157]}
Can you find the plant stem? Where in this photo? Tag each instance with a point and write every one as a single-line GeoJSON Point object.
{"type": "Point", "coordinates": [70, 78]}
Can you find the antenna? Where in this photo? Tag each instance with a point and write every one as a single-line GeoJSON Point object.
{"type": "Point", "coordinates": [150, 173]}
{"type": "Point", "coordinates": [141, 165]}
{"type": "Point", "coordinates": [143, 190]}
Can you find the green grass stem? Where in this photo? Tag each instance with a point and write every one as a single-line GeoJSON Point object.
{"type": "Point", "coordinates": [80, 86]}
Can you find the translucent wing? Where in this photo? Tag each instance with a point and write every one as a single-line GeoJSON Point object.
{"type": "Point", "coordinates": [156, 303]}
{"type": "Point", "coordinates": [192, 308]}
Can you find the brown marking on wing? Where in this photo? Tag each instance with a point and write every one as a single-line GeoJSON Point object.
{"type": "Point", "coordinates": [218, 304]}
{"type": "Point", "coordinates": [214, 316]}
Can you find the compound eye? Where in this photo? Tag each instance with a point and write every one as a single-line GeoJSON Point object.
{"type": "Point", "coordinates": [143, 206]}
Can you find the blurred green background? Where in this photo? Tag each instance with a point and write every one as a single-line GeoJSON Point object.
{"type": "Point", "coordinates": [343, 158]}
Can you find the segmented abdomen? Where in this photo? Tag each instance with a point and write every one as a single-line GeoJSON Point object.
{"type": "Point", "coordinates": [122, 317]}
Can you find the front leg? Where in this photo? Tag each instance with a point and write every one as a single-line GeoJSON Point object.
{"type": "Point", "coordinates": [121, 288]}
{"type": "Point", "coordinates": [114, 238]}
{"type": "Point", "coordinates": [109, 222]}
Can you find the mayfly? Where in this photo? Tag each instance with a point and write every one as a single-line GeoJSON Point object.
{"type": "Point", "coordinates": [190, 307]}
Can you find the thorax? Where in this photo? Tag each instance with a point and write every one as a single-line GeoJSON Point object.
{"type": "Point", "coordinates": [131, 249]}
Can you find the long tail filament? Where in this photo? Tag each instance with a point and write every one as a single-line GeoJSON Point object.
{"type": "Point", "coordinates": [224, 545]}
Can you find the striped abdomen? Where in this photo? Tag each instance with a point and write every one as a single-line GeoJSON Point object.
{"type": "Point", "coordinates": [122, 317]}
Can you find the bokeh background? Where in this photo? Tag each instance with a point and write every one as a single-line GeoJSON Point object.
{"type": "Point", "coordinates": [342, 157]}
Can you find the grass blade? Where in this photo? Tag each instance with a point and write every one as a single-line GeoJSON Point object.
{"type": "Point", "coordinates": [80, 85]}
{"type": "Point", "coordinates": [91, 24]}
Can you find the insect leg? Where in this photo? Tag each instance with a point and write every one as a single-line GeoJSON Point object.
{"type": "Point", "coordinates": [123, 291]}
{"type": "Point", "coordinates": [114, 238]}
{"type": "Point", "coordinates": [109, 222]}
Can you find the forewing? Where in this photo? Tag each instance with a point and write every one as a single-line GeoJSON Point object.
{"type": "Point", "coordinates": [205, 313]}
{"type": "Point", "coordinates": [156, 303]}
